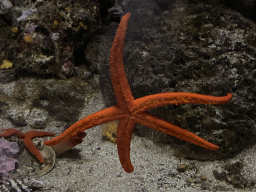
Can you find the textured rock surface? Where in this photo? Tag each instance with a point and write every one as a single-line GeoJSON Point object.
{"type": "Point", "coordinates": [194, 48]}
{"type": "Point", "coordinates": [44, 39]}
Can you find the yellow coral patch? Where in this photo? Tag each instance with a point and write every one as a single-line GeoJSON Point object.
{"type": "Point", "coordinates": [109, 131]}
{"type": "Point", "coordinates": [55, 23]}
{"type": "Point", "coordinates": [15, 30]}
{"type": "Point", "coordinates": [6, 65]}
{"type": "Point", "coordinates": [28, 39]}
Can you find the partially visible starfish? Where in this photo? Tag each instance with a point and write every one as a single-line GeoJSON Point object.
{"type": "Point", "coordinates": [27, 139]}
{"type": "Point", "coordinates": [130, 112]}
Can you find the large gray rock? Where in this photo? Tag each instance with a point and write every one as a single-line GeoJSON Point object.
{"type": "Point", "coordinates": [197, 48]}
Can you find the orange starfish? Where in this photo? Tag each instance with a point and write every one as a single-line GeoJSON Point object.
{"type": "Point", "coordinates": [130, 112]}
{"type": "Point", "coordinates": [27, 139]}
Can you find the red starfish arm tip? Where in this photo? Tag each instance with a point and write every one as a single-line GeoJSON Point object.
{"type": "Point", "coordinates": [157, 124]}
{"type": "Point", "coordinates": [176, 98]}
{"type": "Point", "coordinates": [32, 149]}
{"type": "Point", "coordinates": [11, 131]}
{"type": "Point", "coordinates": [30, 145]}
{"type": "Point", "coordinates": [69, 144]}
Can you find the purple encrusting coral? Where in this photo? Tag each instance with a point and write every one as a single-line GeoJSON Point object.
{"type": "Point", "coordinates": [7, 162]}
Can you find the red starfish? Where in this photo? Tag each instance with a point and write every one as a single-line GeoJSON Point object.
{"type": "Point", "coordinates": [27, 139]}
{"type": "Point", "coordinates": [130, 112]}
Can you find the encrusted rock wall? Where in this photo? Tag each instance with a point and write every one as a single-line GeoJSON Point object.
{"type": "Point", "coordinates": [191, 47]}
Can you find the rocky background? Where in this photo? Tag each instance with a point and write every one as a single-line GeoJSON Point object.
{"type": "Point", "coordinates": [54, 60]}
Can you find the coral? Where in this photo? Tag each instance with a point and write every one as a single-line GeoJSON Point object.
{"type": "Point", "coordinates": [44, 28]}
{"type": "Point", "coordinates": [6, 65]}
{"type": "Point", "coordinates": [25, 14]}
{"type": "Point", "coordinates": [7, 162]}
{"type": "Point", "coordinates": [19, 183]}
{"type": "Point", "coordinates": [15, 29]}
{"type": "Point", "coordinates": [28, 39]}
{"type": "Point", "coordinates": [109, 131]}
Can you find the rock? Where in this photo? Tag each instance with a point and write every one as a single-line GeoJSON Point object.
{"type": "Point", "coordinates": [197, 48]}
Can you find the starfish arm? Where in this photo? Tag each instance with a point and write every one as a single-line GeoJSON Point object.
{"type": "Point", "coordinates": [157, 124]}
{"type": "Point", "coordinates": [32, 134]}
{"type": "Point", "coordinates": [33, 150]}
{"type": "Point", "coordinates": [30, 145]}
{"type": "Point", "coordinates": [176, 98]}
{"type": "Point", "coordinates": [120, 83]}
{"type": "Point", "coordinates": [10, 132]}
{"type": "Point", "coordinates": [123, 140]}
{"type": "Point", "coordinates": [98, 118]}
